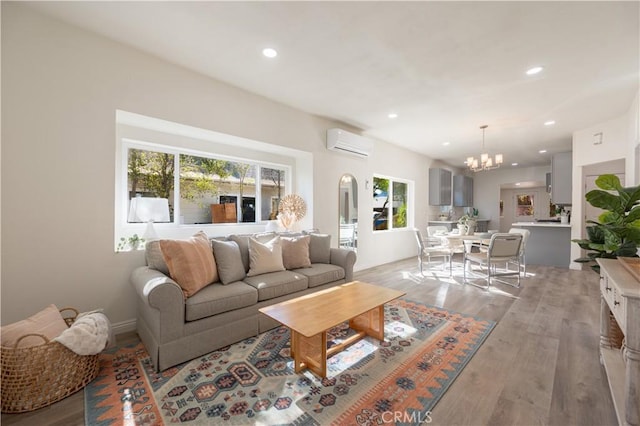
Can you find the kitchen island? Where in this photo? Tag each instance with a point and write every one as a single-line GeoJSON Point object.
{"type": "Point", "coordinates": [549, 243]}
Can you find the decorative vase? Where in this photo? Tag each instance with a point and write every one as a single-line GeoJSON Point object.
{"type": "Point", "coordinates": [462, 229]}
{"type": "Point", "coordinates": [471, 226]}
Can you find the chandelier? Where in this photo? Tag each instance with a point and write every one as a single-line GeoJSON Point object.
{"type": "Point", "coordinates": [485, 162]}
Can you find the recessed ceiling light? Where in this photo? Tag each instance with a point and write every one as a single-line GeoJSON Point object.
{"type": "Point", "coordinates": [517, 183]}
{"type": "Point", "coordinates": [534, 70]}
{"type": "Point", "coordinates": [393, 115]}
{"type": "Point", "coordinates": [445, 143]}
{"type": "Point", "coordinates": [549, 123]}
{"type": "Point", "coordinates": [542, 151]}
{"type": "Point", "coordinates": [514, 164]}
{"type": "Point", "coordinates": [269, 52]}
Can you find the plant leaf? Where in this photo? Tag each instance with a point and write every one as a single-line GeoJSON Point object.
{"type": "Point", "coordinates": [604, 200]}
{"type": "Point", "coordinates": [631, 196]}
{"type": "Point", "coordinates": [634, 215]}
{"type": "Point", "coordinates": [609, 182]}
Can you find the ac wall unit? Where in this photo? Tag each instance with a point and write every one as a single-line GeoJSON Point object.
{"type": "Point", "coordinates": [350, 143]}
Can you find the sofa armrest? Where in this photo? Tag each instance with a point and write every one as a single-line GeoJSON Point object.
{"type": "Point", "coordinates": [160, 303]}
{"type": "Point", "coordinates": [346, 259]}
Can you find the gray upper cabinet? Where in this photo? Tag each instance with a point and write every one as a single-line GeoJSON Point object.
{"type": "Point", "coordinates": [561, 171]}
{"type": "Point", "coordinates": [462, 191]}
{"type": "Point", "coordinates": [548, 182]}
{"type": "Point", "coordinates": [439, 187]}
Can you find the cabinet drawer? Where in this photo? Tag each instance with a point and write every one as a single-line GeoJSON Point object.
{"type": "Point", "coordinates": [606, 290]}
{"type": "Point", "coordinates": [618, 307]}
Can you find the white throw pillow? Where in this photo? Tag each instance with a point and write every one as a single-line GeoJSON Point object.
{"type": "Point", "coordinates": [265, 257]}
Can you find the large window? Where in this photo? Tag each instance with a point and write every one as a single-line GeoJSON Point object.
{"type": "Point", "coordinates": [200, 189]}
{"type": "Point", "coordinates": [150, 175]}
{"type": "Point", "coordinates": [391, 201]}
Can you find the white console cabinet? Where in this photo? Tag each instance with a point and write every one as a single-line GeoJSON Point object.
{"type": "Point", "coordinates": [620, 295]}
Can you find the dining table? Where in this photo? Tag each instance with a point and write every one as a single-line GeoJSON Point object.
{"type": "Point", "coordinates": [480, 239]}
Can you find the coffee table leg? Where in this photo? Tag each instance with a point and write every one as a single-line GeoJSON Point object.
{"type": "Point", "coordinates": [371, 323]}
{"type": "Point", "coordinates": [310, 352]}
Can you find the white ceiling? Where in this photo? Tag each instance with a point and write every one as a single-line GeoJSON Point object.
{"type": "Point", "coordinates": [444, 67]}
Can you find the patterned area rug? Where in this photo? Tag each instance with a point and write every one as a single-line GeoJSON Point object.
{"type": "Point", "coordinates": [253, 382]}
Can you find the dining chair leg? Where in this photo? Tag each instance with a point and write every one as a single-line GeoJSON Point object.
{"type": "Point", "coordinates": [464, 268]}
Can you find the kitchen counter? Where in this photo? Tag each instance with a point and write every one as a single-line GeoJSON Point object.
{"type": "Point", "coordinates": [549, 243]}
{"type": "Point", "coordinates": [481, 224]}
{"type": "Point", "coordinates": [544, 224]}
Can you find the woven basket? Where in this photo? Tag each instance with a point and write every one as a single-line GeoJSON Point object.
{"type": "Point", "coordinates": [615, 333]}
{"type": "Point", "coordinates": [38, 376]}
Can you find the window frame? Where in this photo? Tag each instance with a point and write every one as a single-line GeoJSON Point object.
{"type": "Point", "coordinates": [410, 195]}
{"type": "Point", "coordinates": [128, 143]}
{"type": "Point", "coordinates": [192, 142]}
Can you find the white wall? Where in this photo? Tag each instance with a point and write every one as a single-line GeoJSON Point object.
{"type": "Point", "coordinates": [486, 188]}
{"type": "Point", "coordinates": [540, 205]}
{"type": "Point", "coordinates": [620, 137]}
{"type": "Point", "coordinates": [61, 87]}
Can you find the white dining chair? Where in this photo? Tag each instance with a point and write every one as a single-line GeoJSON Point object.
{"type": "Point", "coordinates": [456, 245]}
{"type": "Point", "coordinates": [503, 249]}
{"type": "Point", "coordinates": [431, 247]}
{"type": "Point", "coordinates": [525, 237]}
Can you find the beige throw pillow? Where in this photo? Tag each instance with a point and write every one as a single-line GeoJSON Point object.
{"type": "Point", "coordinates": [48, 322]}
{"type": "Point", "coordinates": [265, 257]}
{"type": "Point", "coordinates": [295, 252]}
{"type": "Point", "coordinates": [191, 263]}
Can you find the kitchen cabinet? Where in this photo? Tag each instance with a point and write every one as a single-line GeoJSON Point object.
{"type": "Point", "coordinates": [548, 244]}
{"type": "Point", "coordinates": [561, 172]}
{"type": "Point", "coordinates": [439, 187]}
{"type": "Point", "coordinates": [462, 191]}
{"type": "Point", "coordinates": [548, 182]}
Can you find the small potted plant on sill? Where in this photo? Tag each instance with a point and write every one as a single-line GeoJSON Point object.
{"type": "Point", "coordinates": [617, 231]}
{"type": "Point", "coordinates": [131, 243]}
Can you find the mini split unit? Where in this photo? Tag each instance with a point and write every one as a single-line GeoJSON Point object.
{"type": "Point", "coordinates": [349, 143]}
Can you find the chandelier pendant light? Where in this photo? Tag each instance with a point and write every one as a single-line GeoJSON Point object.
{"type": "Point", "coordinates": [485, 162]}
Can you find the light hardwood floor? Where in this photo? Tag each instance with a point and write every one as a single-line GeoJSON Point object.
{"type": "Point", "coordinates": [539, 366]}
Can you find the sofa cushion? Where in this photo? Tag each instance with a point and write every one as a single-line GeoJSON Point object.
{"type": "Point", "coordinates": [153, 256]}
{"type": "Point", "coordinates": [320, 248]}
{"type": "Point", "coordinates": [191, 263]}
{"type": "Point", "coordinates": [48, 322]}
{"type": "Point", "coordinates": [322, 273]}
{"type": "Point", "coordinates": [229, 261]}
{"type": "Point", "coordinates": [275, 284]}
{"type": "Point", "coordinates": [243, 243]}
{"type": "Point", "coordinates": [218, 298]}
{"type": "Point", "coordinates": [295, 252]}
{"type": "Point", "coordinates": [265, 258]}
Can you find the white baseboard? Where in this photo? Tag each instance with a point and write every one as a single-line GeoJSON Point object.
{"type": "Point", "coordinates": [124, 326]}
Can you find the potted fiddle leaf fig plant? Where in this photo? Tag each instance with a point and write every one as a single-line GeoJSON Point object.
{"type": "Point", "coordinates": [616, 233]}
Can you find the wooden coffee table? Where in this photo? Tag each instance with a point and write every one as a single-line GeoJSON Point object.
{"type": "Point", "coordinates": [310, 317]}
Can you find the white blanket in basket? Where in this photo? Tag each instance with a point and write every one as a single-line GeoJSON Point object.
{"type": "Point", "coordinates": [88, 335]}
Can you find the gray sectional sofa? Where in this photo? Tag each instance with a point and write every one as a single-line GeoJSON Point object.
{"type": "Point", "coordinates": [175, 328]}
